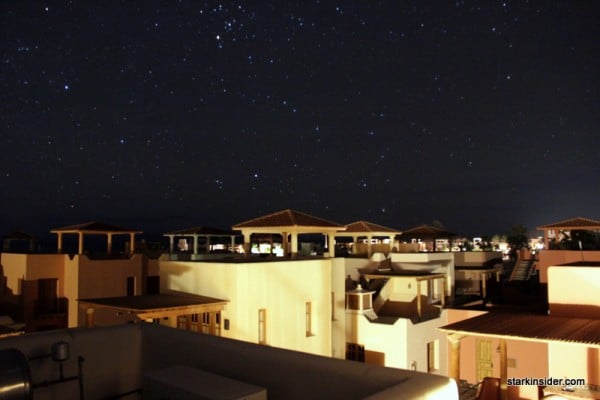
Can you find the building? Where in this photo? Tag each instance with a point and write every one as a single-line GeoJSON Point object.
{"type": "Point", "coordinates": [43, 288]}
{"type": "Point", "coordinates": [134, 361]}
{"type": "Point", "coordinates": [509, 345]}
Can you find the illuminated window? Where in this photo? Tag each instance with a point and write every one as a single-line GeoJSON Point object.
{"type": "Point", "coordinates": [262, 326]}
{"type": "Point", "coordinates": [433, 359]}
{"type": "Point", "coordinates": [309, 331]}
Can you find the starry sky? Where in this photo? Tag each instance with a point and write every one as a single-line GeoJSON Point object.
{"type": "Point", "coordinates": [478, 115]}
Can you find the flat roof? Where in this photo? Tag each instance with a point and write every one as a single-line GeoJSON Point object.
{"type": "Point", "coordinates": [532, 327]}
{"type": "Point", "coordinates": [146, 306]}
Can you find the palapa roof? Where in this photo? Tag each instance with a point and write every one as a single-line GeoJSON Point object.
{"type": "Point", "coordinates": [203, 230]}
{"type": "Point", "coordinates": [287, 218]}
{"type": "Point", "coordinates": [94, 227]}
{"type": "Point", "coordinates": [573, 223]}
{"type": "Point", "coordinates": [369, 227]}
{"type": "Point", "coordinates": [529, 327]}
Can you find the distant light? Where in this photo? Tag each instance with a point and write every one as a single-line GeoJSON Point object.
{"type": "Point", "coordinates": [66, 87]}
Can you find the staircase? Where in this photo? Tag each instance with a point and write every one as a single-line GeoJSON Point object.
{"type": "Point", "coordinates": [522, 270]}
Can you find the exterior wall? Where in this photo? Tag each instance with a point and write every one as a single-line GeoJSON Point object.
{"type": "Point", "coordinates": [475, 257]}
{"type": "Point", "coordinates": [381, 338]}
{"type": "Point", "coordinates": [403, 344]}
{"type": "Point", "coordinates": [573, 291]}
{"type": "Point", "coordinates": [353, 264]}
{"type": "Point", "coordinates": [281, 287]}
{"type": "Point", "coordinates": [418, 335]}
{"type": "Point", "coordinates": [15, 269]}
{"type": "Point", "coordinates": [432, 262]}
{"type": "Point", "coordinates": [338, 320]}
{"type": "Point", "coordinates": [525, 358]}
{"type": "Point", "coordinates": [31, 267]}
{"type": "Point", "coordinates": [568, 360]}
{"type": "Point", "coordinates": [106, 278]}
{"type": "Point", "coordinates": [547, 258]}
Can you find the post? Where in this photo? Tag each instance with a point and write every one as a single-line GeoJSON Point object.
{"type": "Point", "coordinates": [454, 372]}
{"type": "Point", "coordinates": [419, 298]}
{"type": "Point", "coordinates": [503, 371]}
{"type": "Point", "coordinates": [89, 318]}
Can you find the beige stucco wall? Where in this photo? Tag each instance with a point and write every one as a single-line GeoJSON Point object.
{"type": "Point", "coordinates": [572, 361]}
{"type": "Point", "coordinates": [418, 335]}
{"type": "Point", "coordinates": [402, 343]}
{"type": "Point", "coordinates": [15, 269]}
{"type": "Point", "coordinates": [548, 258]}
{"type": "Point", "coordinates": [442, 263]}
{"type": "Point", "coordinates": [31, 267]}
{"type": "Point", "coordinates": [576, 285]}
{"type": "Point", "coordinates": [525, 358]}
{"type": "Point", "coordinates": [281, 287]}
{"type": "Point", "coordinates": [475, 257]}
{"type": "Point", "coordinates": [106, 278]}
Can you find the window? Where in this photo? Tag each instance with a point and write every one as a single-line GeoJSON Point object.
{"type": "Point", "coordinates": [355, 352]}
{"type": "Point", "coordinates": [433, 359]}
{"type": "Point", "coordinates": [308, 317]}
{"type": "Point", "coordinates": [131, 286]}
{"type": "Point", "coordinates": [262, 326]}
{"type": "Point", "coordinates": [333, 306]}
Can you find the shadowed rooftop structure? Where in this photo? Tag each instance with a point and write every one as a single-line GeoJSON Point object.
{"type": "Point", "coordinates": [287, 218]}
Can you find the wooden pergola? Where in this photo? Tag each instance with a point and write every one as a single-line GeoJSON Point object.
{"type": "Point", "coordinates": [359, 229]}
{"type": "Point", "coordinates": [95, 228]}
{"type": "Point", "coordinates": [425, 232]}
{"type": "Point", "coordinates": [577, 223]}
{"type": "Point", "coordinates": [205, 232]}
{"type": "Point", "coordinates": [292, 223]}
{"type": "Point", "coordinates": [157, 306]}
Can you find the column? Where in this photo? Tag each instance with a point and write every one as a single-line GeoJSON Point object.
{"type": "Point", "coordinates": [195, 244]}
{"type": "Point", "coordinates": [331, 240]}
{"type": "Point", "coordinates": [109, 243]}
{"type": "Point", "coordinates": [132, 243]}
{"type": "Point", "coordinates": [89, 318]}
{"type": "Point", "coordinates": [246, 237]}
{"type": "Point", "coordinates": [294, 244]}
{"type": "Point", "coordinates": [354, 245]}
{"type": "Point", "coordinates": [454, 371]}
{"type": "Point", "coordinates": [503, 371]}
{"type": "Point", "coordinates": [284, 243]}
{"type": "Point", "coordinates": [369, 250]}
{"type": "Point", "coordinates": [80, 249]}
{"type": "Point", "coordinates": [171, 243]}
{"type": "Point", "coordinates": [484, 285]}
{"type": "Point", "coordinates": [207, 244]}
{"type": "Point", "coordinates": [232, 244]}
{"type": "Point", "coordinates": [59, 243]}
{"type": "Point", "coordinates": [419, 299]}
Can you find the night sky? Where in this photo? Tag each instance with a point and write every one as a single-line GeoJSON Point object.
{"type": "Point", "coordinates": [166, 115]}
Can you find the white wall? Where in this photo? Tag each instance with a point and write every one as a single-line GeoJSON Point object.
{"type": "Point", "coordinates": [280, 287]}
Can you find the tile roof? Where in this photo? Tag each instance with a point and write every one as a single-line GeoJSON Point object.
{"type": "Point", "coordinates": [541, 328]}
{"type": "Point", "coordinates": [202, 230]}
{"type": "Point", "coordinates": [573, 223]}
{"type": "Point", "coordinates": [94, 226]}
{"type": "Point", "coordinates": [364, 226]}
{"type": "Point", "coordinates": [287, 218]}
{"type": "Point", "coordinates": [426, 231]}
